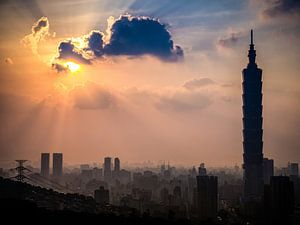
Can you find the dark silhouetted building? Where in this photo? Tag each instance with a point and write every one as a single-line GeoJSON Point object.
{"type": "Point", "coordinates": [101, 196]}
{"type": "Point", "coordinates": [268, 169]}
{"type": "Point", "coordinates": [45, 164]}
{"type": "Point", "coordinates": [107, 169]}
{"type": "Point", "coordinates": [252, 132]}
{"type": "Point", "coordinates": [207, 197]}
{"type": "Point", "coordinates": [202, 170]}
{"type": "Point", "coordinates": [293, 169]}
{"type": "Point", "coordinates": [117, 165]}
{"type": "Point", "coordinates": [279, 198]}
{"type": "Point", "coordinates": [57, 164]}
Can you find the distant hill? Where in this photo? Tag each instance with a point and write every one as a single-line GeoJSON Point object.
{"type": "Point", "coordinates": [22, 202]}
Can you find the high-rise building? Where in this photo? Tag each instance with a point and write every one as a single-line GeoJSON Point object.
{"type": "Point", "coordinates": [293, 169]}
{"type": "Point", "coordinates": [45, 164]}
{"type": "Point", "coordinates": [101, 196]}
{"type": "Point", "coordinates": [207, 197]}
{"type": "Point", "coordinates": [202, 169]}
{"type": "Point", "coordinates": [252, 132]}
{"type": "Point", "coordinates": [268, 169]}
{"type": "Point", "coordinates": [57, 164]}
{"type": "Point", "coordinates": [117, 165]}
{"type": "Point", "coordinates": [279, 198]}
{"type": "Point", "coordinates": [107, 169]}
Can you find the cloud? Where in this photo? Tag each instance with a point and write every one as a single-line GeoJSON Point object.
{"type": "Point", "coordinates": [197, 83]}
{"type": "Point", "coordinates": [67, 50]}
{"type": "Point", "coordinates": [181, 101]}
{"type": "Point", "coordinates": [126, 36]}
{"type": "Point", "coordinates": [59, 67]}
{"type": "Point", "coordinates": [230, 40]}
{"type": "Point", "coordinates": [277, 8]}
{"type": "Point", "coordinates": [93, 97]}
{"type": "Point", "coordinates": [138, 36]}
{"type": "Point", "coordinates": [9, 61]}
{"type": "Point", "coordinates": [191, 96]}
{"type": "Point", "coordinates": [95, 43]}
{"type": "Point", "coordinates": [39, 31]}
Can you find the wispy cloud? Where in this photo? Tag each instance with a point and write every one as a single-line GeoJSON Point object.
{"type": "Point", "coordinates": [39, 31]}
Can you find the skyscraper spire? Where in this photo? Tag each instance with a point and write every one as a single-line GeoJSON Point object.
{"type": "Point", "coordinates": [252, 53]}
{"type": "Point", "coordinates": [252, 124]}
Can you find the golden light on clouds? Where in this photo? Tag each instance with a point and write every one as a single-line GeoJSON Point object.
{"type": "Point", "coordinates": [73, 67]}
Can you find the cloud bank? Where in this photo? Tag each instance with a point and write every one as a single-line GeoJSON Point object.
{"type": "Point", "coordinates": [125, 36]}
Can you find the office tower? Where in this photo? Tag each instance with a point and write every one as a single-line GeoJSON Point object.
{"type": "Point", "coordinates": [207, 197]}
{"type": "Point", "coordinates": [101, 196]}
{"type": "Point", "coordinates": [279, 198]}
{"type": "Point", "coordinates": [45, 164]}
{"type": "Point", "coordinates": [57, 164]}
{"type": "Point", "coordinates": [252, 132]}
{"type": "Point", "coordinates": [268, 169]}
{"type": "Point", "coordinates": [117, 165]}
{"type": "Point", "coordinates": [293, 169]}
{"type": "Point", "coordinates": [202, 170]}
{"type": "Point", "coordinates": [107, 169]}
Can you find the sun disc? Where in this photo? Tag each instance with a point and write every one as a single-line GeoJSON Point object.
{"type": "Point", "coordinates": [73, 67]}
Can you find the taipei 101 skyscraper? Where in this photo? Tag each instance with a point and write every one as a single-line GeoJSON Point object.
{"type": "Point", "coordinates": [252, 132]}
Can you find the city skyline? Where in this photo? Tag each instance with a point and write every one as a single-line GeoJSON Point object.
{"type": "Point", "coordinates": [177, 101]}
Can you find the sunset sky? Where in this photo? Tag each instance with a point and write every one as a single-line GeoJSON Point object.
{"type": "Point", "coordinates": [145, 79]}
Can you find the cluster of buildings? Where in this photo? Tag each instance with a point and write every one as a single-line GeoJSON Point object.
{"type": "Point", "coordinates": [57, 168]}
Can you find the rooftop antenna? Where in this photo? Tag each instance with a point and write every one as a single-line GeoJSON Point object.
{"type": "Point", "coordinates": [251, 37]}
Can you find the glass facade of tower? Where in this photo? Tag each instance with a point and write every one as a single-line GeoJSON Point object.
{"type": "Point", "coordinates": [252, 132]}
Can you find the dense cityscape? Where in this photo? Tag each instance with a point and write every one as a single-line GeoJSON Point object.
{"type": "Point", "coordinates": [210, 195]}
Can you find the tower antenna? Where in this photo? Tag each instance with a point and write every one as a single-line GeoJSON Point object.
{"type": "Point", "coordinates": [251, 37]}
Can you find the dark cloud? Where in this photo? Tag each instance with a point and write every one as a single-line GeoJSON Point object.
{"type": "Point", "coordinates": [95, 43]}
{"type": "Point", "coordinates": [230, 40]}
{"type": "Point", "coordinates": [59, 67]}
{"type": "Point", "coordinates": [130, 36]}
{"type": "Point", "coordinates": [93, 97]}
{"type": "Point", "coordinates": [197, 83]}
{"type": "Point", "coordinates": [68, 51]}
{"type": "Point", "coordinates": [282, 8]}
{"type": "Point", "coordinates": [139, 36]}
{"type": "Point", "coordinates": [39, 31]}
{"type": "Point", "coordinates": [43, 22]}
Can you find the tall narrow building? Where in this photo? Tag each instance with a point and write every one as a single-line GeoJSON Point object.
{"type": "Point", "coordinates": [207, 197]}
{"type": "Point", "coordinates": [57, 165]}
{"type": "Point", "coordinates": [117, 165]}
{"type": "Point", "coordinates": [45, 164]}
{"type": "Point", "coordinates": [107, 169]}
{"type": "Point", "coordinates": [252, 132]}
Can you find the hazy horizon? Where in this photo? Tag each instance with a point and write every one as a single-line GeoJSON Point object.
{"type": "Point", "coordinates": [169, 89]}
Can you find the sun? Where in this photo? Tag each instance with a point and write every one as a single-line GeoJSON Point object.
{"type": "Point", "coordinates": [73, 67]}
